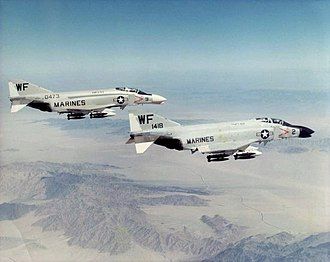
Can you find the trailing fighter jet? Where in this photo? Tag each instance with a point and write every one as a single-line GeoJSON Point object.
{"type": "Point", "coordinates": [96, 103]}
{"type": "Point", "coordinates": [218, 141]}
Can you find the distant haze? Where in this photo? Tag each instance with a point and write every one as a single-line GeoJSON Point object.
{"type": "Point", "coordinates": [166, 44]}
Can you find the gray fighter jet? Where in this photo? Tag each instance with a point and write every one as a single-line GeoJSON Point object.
{"type": "Point", "coordinates": [218, 141]}
{"type": "Point", "coordinates": [96, 103]}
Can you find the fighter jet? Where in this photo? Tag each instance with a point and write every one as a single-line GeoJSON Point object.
{"type": "Point", "coordinates": [218, 141]}
{"type": "Point", "coordinates": [96, 103]}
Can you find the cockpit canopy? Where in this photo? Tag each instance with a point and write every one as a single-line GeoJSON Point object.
{"type": "Point", "coordinates": [133, 90]}
{"type": "Point", "coordinates": [273, 120]}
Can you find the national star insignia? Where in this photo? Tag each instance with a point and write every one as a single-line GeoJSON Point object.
{"type": "Point", "coordinates": [264, 134]}
{"type": "Point", "coordinates": [120, 99]}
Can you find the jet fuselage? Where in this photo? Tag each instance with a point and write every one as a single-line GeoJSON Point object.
{"type": "Point", "coordinates": [194, 136]}
{"type": "Point", "coordinates": [77, 104]}
{"type": "Point", "coordinates": [217, 140]}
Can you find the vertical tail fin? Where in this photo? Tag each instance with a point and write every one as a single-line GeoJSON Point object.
{"type": "Point", "coordinates": [145, 129]}
{"type": "Point", "coordinates": [141, 121]}
{"type": "Point", "coordinates": [23, 88]}
{"type": "Point", "coordinates": [20, 93]}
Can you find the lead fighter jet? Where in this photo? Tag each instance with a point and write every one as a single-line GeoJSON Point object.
{"type": "Point", "coordinates": [218, 141]}
{"type": "Point", "coordinates": [96, 103]}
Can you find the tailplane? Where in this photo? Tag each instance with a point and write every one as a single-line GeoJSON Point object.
{"type": "Point", "coordinates": [142, 147]}
{"type": "Point", "coordinates": [16, 106]}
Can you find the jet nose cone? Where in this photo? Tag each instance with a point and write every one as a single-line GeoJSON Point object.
{"type": "Point", "coordinates": [157, 99]}
{"type": "Point", "coordinates": [305, 132]}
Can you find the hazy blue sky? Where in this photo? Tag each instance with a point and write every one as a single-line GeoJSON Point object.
{"type": "Point", "coordinates": [168, 44]}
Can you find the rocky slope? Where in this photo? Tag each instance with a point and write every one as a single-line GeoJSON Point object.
{"type": "Point", "coordinates": [97, 207]}
{"type": "Point", "coordinates": [280, 247]}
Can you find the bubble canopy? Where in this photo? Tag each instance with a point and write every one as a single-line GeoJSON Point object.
{"type": "Point", "coordinates": [273, 120]}
{"type": "Point", "coordinates": [133, 90]}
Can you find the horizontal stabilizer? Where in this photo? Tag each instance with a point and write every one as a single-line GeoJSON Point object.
{"type": "Point", "coordinates": [16, 108]}
{"type": "Point", "coordinates": [141, 143]}
{"type": "Point", "coordinates": [130, 141]}
{"type": "Point", "coordinates": [142, 147]}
